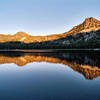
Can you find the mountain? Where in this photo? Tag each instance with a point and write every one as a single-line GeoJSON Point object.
{"type": "Point", "coordinates": [83, 36]}
{"type": "Point", "coordinates": [90, 24]}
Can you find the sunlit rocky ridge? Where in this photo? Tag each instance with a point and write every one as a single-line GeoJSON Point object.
{"type": "Point", "coordinates": [90, 24]}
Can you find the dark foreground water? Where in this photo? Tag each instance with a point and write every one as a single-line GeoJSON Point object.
{"type": "Point", "coordinates": [68, 75]}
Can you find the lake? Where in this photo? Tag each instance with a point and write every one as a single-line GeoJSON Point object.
{"type": "Point", "coordinates": [64, 75]}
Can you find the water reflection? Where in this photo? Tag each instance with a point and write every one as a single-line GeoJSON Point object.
{"type": "Point", "coordinates": [84, 62]}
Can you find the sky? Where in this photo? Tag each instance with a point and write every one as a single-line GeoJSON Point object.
{"type": "Point", "coordinates": [43, 17]}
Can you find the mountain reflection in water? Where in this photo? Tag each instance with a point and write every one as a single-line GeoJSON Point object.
{"type": "Point", "coordinates": [84, 62]}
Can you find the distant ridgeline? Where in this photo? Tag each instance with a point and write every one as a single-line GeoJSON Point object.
{"type": "Point", "coordinates": [83, 36]}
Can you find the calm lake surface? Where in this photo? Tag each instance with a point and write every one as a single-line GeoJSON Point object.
{"type": "Point", "coordinates": [67, 75]}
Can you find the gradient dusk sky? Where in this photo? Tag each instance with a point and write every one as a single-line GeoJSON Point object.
{"type": "Point", "coordinates": [42, 17]}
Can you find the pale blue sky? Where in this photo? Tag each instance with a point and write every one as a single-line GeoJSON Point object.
{"type": "Point", "coordinates": [42, 17]}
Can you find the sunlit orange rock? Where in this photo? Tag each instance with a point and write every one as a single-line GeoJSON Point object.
{"type": "Point", "coordinates": [90, 24]}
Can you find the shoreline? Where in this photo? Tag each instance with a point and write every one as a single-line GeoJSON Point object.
{"type": "Point", "coordinates": [46, 50]}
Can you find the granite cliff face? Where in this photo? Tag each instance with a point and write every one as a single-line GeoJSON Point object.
{"type": "Point", "coordinates": [90, 24]}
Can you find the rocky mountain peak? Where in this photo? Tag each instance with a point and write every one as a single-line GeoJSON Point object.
{"type": "Point", "coordinates": [90, 19]}
{"type": "Point", "coordinates": [21, 34]}
{"type": "Point", "coordinates": [90, 24]}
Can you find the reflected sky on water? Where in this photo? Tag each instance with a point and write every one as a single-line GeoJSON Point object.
{"type": "Point", "coordinates": [46, 80]}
